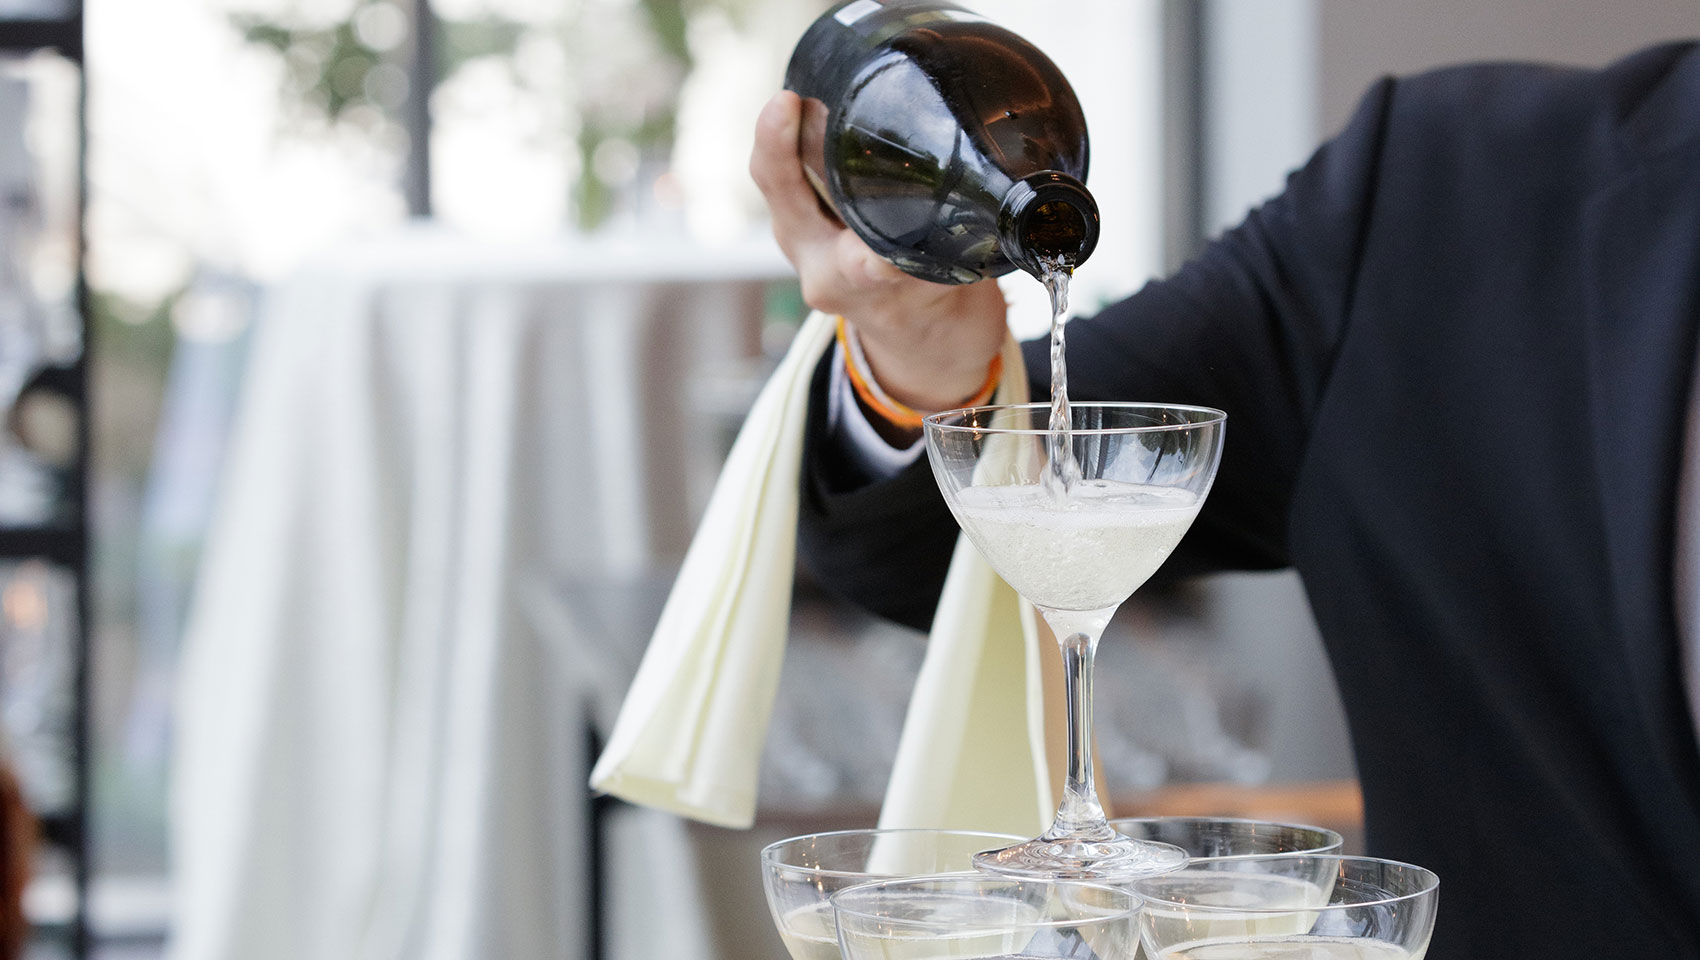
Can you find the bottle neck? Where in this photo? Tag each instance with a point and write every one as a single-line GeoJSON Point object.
{"type": "Point", "coordinates": [1048, 216]}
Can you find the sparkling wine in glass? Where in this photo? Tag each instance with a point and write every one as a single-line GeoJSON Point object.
{"type": "Point", "coordinates": [1076, 551]}
{"type": "Point", "coordinates": [986, 918]}
{"type": "Point", "coordinates": [801, 873]}
{"type": "Point", "coordinates": [1290, 907]}
{"type": "Point", "coordinates": [1214, 839]}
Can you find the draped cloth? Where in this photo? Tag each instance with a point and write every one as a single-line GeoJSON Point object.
{"type": "Point", "coordinates": [973, 751]}
{"type": "Point", "coordinates": [457, 474]}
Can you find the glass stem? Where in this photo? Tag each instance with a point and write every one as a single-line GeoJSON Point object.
{"type": "Point", "coordinates": [1079, 815]}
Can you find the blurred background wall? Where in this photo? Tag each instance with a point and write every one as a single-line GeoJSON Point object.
{"type": "Point", "coordinates": [1275, 78]}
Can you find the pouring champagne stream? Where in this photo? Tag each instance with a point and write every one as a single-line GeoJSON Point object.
{"type": "Point", "coordinates": [1075, 506]}
{"type": "Point", "coordinates": [956, 151]}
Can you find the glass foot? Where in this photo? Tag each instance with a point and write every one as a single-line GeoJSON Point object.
{"type": "Point", "coordinates": [1067, 858]}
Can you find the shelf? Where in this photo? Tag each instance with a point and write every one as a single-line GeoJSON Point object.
{"type": "Point", "coordinates": [60, 829]}
{"type": "Point", "coordinates": [125, 909]}
{"type": "Point", "coordinates": [60, 544]}
{"type": "Point", "coordinates": [58, 899]}
{"type": "Point", "coordinates": [26, 36]}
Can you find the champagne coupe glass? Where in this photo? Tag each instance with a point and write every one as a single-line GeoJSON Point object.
{"type": "Point", "coordinates": [799, 874]}
{"type": "Point", "coordinates": [1077, 549]}
{"type": "Point", "coordinates": [1219, 837]}
{"type": "Point", "coordinates": [1270, 908]}
{"type": "Point", "coordinates": [1226, 838]}
{"type": "Point", "coordinates": [934, 918]}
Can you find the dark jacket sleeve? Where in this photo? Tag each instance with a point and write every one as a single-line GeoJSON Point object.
{"type": "Point", "coordinates": [884, 545]}
{"type": "Point", "coordinates": [1250, 326]}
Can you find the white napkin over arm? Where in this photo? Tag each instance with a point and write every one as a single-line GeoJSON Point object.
{"type": "Point", "coordinates": [973, 752]}
{"type": "Point", "coordinates": [972, 755]}
{"type": "Point", "coordinates": [689, 735]}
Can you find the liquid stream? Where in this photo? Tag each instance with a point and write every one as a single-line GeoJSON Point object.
{"type": "Point", "coordinates": [1064, 470]}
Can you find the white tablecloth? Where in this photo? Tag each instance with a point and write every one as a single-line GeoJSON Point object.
{"type": "Point", "coordinates": [383, 695]}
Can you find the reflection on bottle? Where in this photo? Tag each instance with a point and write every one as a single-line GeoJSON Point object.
{"type": "Point", "coordinates": [953, 147]}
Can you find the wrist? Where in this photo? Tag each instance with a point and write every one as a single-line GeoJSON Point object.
{"type": "Point", "coordinates": [927, 387]}
{"type": "Point", "coordinates": [896, 416]}
{"type": "Point", "coordinates": [930, 350]}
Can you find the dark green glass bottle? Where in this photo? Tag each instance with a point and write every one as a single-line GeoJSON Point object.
{"type": "Point", "coordinates": [952, 146]}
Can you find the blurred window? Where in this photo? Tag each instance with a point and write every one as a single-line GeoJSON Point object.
{"type": "Point", "coordinates": [230, 141]}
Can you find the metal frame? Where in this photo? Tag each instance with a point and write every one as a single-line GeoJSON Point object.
{"type": "Point", "coordinates": [416, 112]}
{"type": "Point", "coordinates": [1184, 158]}
{"type": "Point", "coordinates": [67, 544]}
{"type": "Point", "coordinates": [597, 809]}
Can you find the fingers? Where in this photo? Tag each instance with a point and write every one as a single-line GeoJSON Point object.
{"type": "Point", "coordinates": [860, 265]}
{"type": "Point", "coordinates": [843, 275]}
{"type": "Point", "coordinates": [837, 270]}
{"type": "Point", "coordinates": [911, 324]}
{"type": "Point", "coordinates": [776, 169]}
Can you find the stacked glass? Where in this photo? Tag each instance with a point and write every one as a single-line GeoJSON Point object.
{"type": "Point", "coordinates": [1252, 889]}
{"type": "Point", "coordinates": [1075, 520]}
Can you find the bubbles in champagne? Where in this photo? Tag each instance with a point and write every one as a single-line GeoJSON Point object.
{"type": "Point", "coordinates": [809, 932]}
{"type": "Point", "coordinates": [1087, 553]}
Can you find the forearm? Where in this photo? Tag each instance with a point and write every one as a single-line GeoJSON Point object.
{"type": "Point", "coordinates": [930, 356]}
{"type": "Point", "coordinates": [882, 541]}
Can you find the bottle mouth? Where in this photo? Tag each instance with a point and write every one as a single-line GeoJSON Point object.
{"type": "Point", "coordinates": [1048, 216]}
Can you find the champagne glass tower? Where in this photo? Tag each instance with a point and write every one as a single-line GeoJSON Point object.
{"type": "Point", "coordinates": [1076, 550]}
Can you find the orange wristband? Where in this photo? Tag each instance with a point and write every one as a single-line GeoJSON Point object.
{"type": "Point", "coordinates": [893, 412]}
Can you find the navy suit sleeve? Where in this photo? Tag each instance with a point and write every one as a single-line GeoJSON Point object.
{"type": "Point", "coordinates": [1250, 326]}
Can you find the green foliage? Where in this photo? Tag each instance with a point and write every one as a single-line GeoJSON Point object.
{"type": "Point", "coordinates": [668, 20]}
{"type": "Point", "coordinates": [592, 199]}
{"type": "Point", "coordinates": [133, 334]}
{"type": "Point", "coordinates": [328, 65]}
{"type": "Point", "coordinates": [461, 41]}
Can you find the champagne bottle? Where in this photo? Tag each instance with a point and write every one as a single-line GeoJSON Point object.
{"type": "Point", "coordinates": [953, 147]}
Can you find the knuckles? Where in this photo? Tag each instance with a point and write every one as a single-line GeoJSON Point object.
{"type": "Point", "coordinates": [820, 293]}
{"type": "Point", "coordinates": [763, 170]}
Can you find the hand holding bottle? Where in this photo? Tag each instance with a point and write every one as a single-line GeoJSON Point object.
{"type": "Point", "coordinates": [929, 344]}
